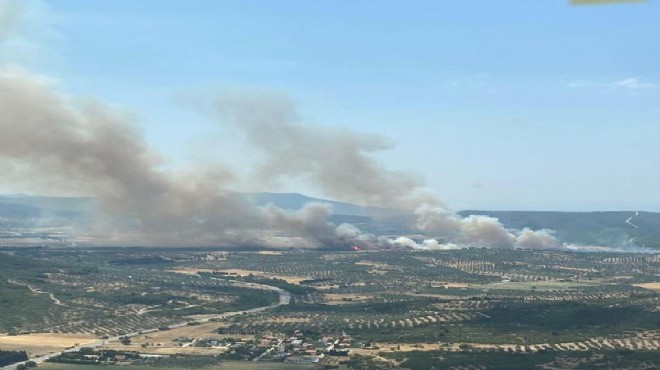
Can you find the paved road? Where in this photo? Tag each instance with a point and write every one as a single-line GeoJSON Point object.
{"type": "Point", "coordinates": [284, 299]}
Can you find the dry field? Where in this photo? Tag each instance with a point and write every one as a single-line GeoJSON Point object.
{"type": "Point", "coordinates": [165, 337]}
{"type": "Point", "coordinates": [171, 350]}
{"type": "Point", "coordinates": [43, 343]}
{"type": "Point", "coordinates": [391, 347]}
{"type": "Point", "coordinates": [162, 342]}
{"type": "Point", "coordinates": [651, 286]}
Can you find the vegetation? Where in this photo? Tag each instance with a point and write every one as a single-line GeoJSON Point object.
{"type": "Point", "coordinates": [487, 308]}
{"type": "Point", "coordinates": [279, 283]}
{"type": "Point", "coordinates": [67, 293]}
{"type": "Point", "coordinates": [12, 357]}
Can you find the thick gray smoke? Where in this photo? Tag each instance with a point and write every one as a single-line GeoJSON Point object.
{"type": "Point", "coordinates": [484, 231]}
{"type": "Point", "coordinates": [336, 160]}
{"type": "Point", "coordinates": [88, 148]}
{"type": "Point", "coordinates": [340, 163]}
{"type": "Point", "coordinates": [540, 239]}
{"type": "Point", "coordinates": [311, 223]}
{"type": "Point", "coordinates": [93, 150]}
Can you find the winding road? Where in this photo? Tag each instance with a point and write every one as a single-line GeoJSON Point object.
{"type": "Point", "coordinates": [284, 299]}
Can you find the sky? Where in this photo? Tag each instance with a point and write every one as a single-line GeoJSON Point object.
{"type": "Point", "coordinates": [507, 104]}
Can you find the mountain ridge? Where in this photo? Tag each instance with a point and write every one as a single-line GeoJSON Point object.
{"type": "Point", "coordinates": [586, 227]}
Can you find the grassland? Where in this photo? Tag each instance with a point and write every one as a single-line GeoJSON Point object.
{"type": "Point", "coordinates": [43, 343]}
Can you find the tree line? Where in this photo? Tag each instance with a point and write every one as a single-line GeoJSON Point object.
{"type": "Point", "coordinates": [12, 357]}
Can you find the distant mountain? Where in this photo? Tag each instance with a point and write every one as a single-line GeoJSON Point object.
{"type": "Point", "coordinates": [10, 210]}
{"type": "Point", "coordinates": [34, 206]}
{"type": "Point", "coordinates": [599, 228]}
{"type": "Point", "coordinates": [61, 211]}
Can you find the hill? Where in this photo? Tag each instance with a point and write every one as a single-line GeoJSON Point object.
{"type": "Point", "coordinates": [591, 228]}
{"type": "Point", "coordinates": [35, 206]}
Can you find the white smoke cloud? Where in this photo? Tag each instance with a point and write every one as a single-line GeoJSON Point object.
{"type": "Point", "coordinates": [484, 231]}
{"type": "Point", "coordinates": [437, 221]}
{"type": "Point", "coordinates": [311, 223]}
{"type": "Point", "coordinates": [540, 239]}
{"type": "Point", "coordinates": [426, 244]}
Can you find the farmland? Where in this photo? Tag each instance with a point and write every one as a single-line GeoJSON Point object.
{"type": "Point", "coordinates": [379, 309]}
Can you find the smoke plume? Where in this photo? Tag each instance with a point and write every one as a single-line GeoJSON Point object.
{"type": "Point", "coordinates": [311, 223]}
{"type": "Point", "coordinates": [59, 145]}
{"type": "Point", "coordinates": [92, 149]}
{"type": "Point", "coordinates": [540, 239]}
{"type": "Point", "coordinates": [340, 162]}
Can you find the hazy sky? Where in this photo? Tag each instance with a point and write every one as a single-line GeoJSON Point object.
{"type": "Point", "coordinates": [508, 104]}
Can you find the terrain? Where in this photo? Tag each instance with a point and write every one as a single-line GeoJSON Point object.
{"type": "Point", "coordinates": [41, 220]}
{"type": "Point", "coordinates": [458, 309]}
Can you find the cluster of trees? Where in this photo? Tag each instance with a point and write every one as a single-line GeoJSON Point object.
{"type": "Point", "coordinates": [568, 315]}
{"type": "Point", "coordinates": [26, 365]}
{"type": "Point", "coordinates": [12, 357]}
{"type": "Point", "coordinates": [21, 309]}
{"type": "Point", "coordinates": [279, 283]}
{"type": "Point", "coordinates": [105, 356]}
